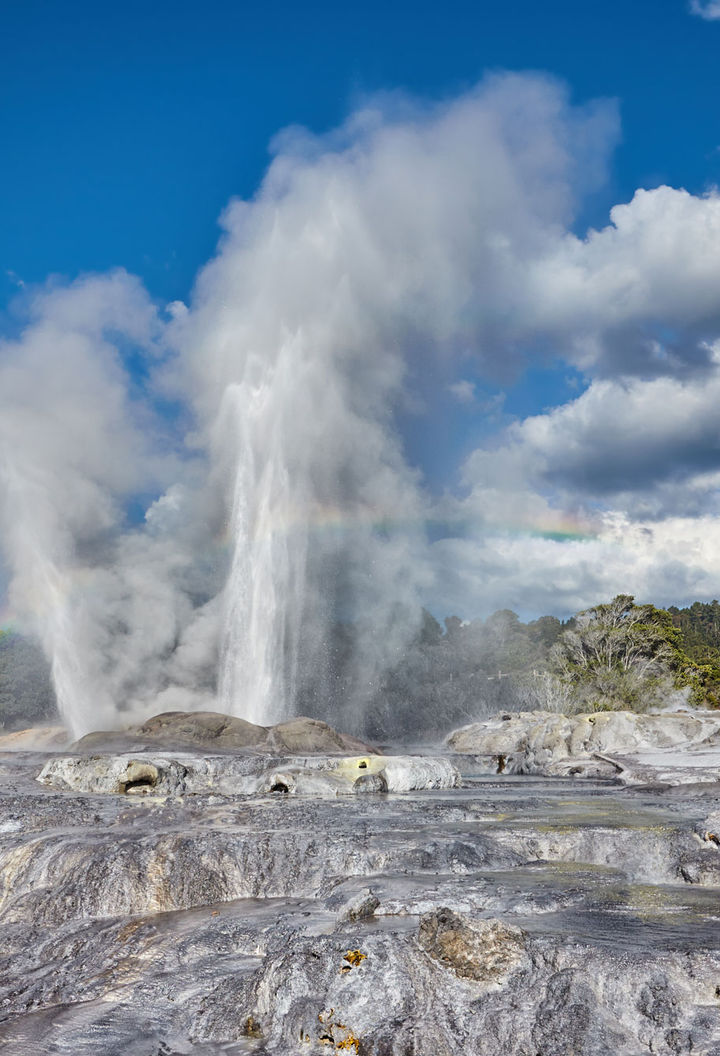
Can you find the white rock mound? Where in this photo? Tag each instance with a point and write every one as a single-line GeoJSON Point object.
{"type": "Point", "coordinates": [613, 743]}
{"type": "Point", "coordinates": [246, 775]}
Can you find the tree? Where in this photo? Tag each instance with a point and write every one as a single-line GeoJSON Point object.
{"type": "Point", "coordinates": [430, 630]}
{"type": "Point", "coordinates": [546, 630]}
{"type": "Point", "coordinates": [699, 626]}
{"type": "Point", "coordinates": [623, 655]}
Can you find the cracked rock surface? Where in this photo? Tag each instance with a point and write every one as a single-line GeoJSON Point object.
{"type": "Point", "coordinates": [158, 903]}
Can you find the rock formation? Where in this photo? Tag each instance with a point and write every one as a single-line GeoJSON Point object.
{"type": "Point", "coordinates": [212, 729]}
{"type": "Point", "coordinates": [224, 901]}
{"type": "Point", "coordinates": [674, 747]}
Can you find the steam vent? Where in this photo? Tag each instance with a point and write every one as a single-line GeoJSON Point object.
{"type": "Point", "coordinates": [201, 884]}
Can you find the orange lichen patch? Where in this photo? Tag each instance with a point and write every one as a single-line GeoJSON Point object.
{"type": "Point", "coordinates": [348, 1043]}
{"type": "Point", "coordinates": [252, 1028]}
{"type": "Point", "coordinates": [354, 957]}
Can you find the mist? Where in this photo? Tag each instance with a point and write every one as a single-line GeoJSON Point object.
{"type": "Point", "coordinates": [213, 504]}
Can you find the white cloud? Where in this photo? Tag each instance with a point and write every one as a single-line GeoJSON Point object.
{"type": "Point", "coordinates": [673, 562]}
{"type": "Point", "coordinates": [463, 391]}
{"type": "Point", "coordinates": [642, 295]}
{"type": "Point", "coordinates": [647, 444]}
{"type": "Point", "coordinates": [615, 491]}
{"type": "Point", "coordinates": [707, 9]}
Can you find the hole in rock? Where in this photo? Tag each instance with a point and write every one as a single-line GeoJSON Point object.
{"type": "Point", "coordinates": [362, 765]}
{"type": "Point", "coordinates": [139, 777]}
{"type": "Point", "coordinates": [142, 782]}
{"type": "Point", "coordinates": [279, 786]}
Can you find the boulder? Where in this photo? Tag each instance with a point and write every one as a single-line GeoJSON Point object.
{"type": "Point", "coordinates": [487, 951]}
{"type": "Point", "coordinates": [549, 743]}
{"type": "Point", "coordinates": [312, 735]}
{"type": "Point", "coordinates": [204, 727]}
{"type": "Point", "coordinates": [361, 906]}
{"type": "Point", "coordinates": [214, 730]}
{"type": "Point", "coordinates": [182, 728]}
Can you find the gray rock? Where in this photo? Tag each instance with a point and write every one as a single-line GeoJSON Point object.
{"type": "Point", "coordinates": [209, 728]}
{"type": "Point", "coordinates": [604, 731]}
{"type": "Point", "coordinates": [370, 783]}
{"type": "Point", "coordinates": [361, 907]}
{"type": "Point", "coordinates": [311, 735]}
{"type": "Point", "coordinates": [672, 747]}
{"type": "Point", "coordinates": [485, 950]}
{"type": "Point", "coordinates": [146, 773]}
{"type": "Point", "coordinates": [505, 917]}
{"type": "Point", "coordinates": [214, 730]}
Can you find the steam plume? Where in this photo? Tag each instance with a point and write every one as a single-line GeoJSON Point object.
{"type": "Point", "coordinates": [285, 508]}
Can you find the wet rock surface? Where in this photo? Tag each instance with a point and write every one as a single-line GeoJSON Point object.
{"type": "Point", "coordinates": [499, 914]}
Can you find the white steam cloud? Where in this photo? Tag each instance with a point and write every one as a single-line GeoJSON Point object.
{"type": "Point", "coordinates": [258, 426]}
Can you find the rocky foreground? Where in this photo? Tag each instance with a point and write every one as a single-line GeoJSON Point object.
{"type": "Point", "coordinates": [165, 892]}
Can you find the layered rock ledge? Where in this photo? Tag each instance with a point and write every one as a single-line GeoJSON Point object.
{"type": "Point", "coordinates": [227, 901]}
{"type": "Point", "coordinates": [247, 775]}
{"type": "Point", "coordinates": [670, 747]}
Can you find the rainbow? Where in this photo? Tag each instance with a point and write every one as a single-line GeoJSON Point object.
{"type": "Point", "coordinates": [335, 521]}
{"type": "Point", "coordinates": [332, 520]}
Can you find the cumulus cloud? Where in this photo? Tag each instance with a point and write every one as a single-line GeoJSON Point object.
{"type": "Point", "coordinates": [615, 491]}
{"type": "Point", "coordinates": [641, 296]}
{"type": "Point", "coordinates": [650, 444]}
{"type": "Point", "coordinates": [675, 561]}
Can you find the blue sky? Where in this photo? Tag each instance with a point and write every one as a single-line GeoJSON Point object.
{"type": "Point", "coordinates": [553, 387]}
{"type": "Point", "coordinates": [126, 128]}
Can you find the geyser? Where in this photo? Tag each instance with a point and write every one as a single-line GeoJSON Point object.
{"type": "Point", "coordinates": [281, 566]}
